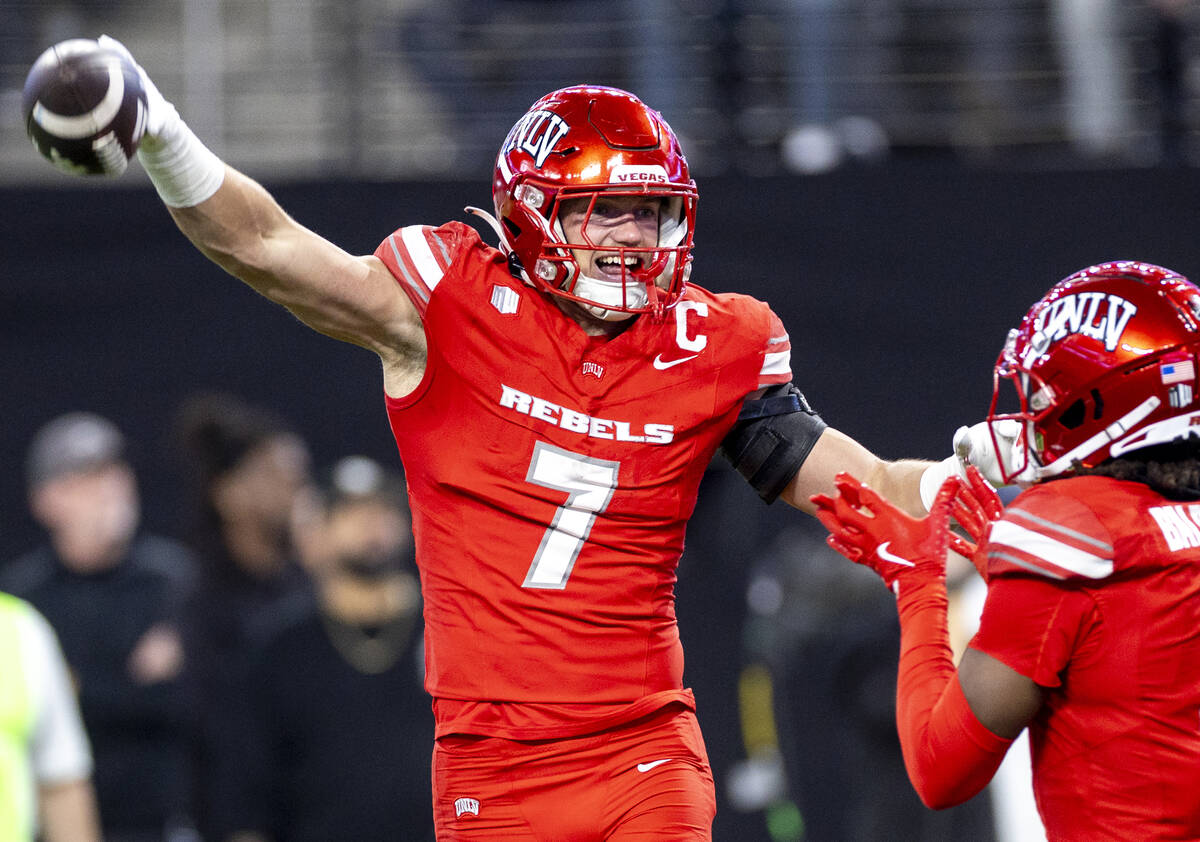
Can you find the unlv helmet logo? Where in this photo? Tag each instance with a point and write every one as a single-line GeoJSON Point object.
{"type": "Point", "coordinates": [536, 134]}
{"type": "Point", "coordinates": [1089, 382]}
{"type": "Point", "coordinates": [1084, 314]}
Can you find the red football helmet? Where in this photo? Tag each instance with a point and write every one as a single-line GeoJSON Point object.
{"type": "Point", "coordinates": [1104, 364]}
{"type": "Point", "coordinates": [581, 142]}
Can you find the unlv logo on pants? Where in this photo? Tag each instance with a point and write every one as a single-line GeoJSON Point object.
{"type": "Point", "coordinates": [466, 805]}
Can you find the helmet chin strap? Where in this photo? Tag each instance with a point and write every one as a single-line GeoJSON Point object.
{"type": "Point", "coordinates": [494, 223]}
{"type": "Point", "coordinates": [1110, 433]}
{"type": "Point", "coordinates": [505, 246]}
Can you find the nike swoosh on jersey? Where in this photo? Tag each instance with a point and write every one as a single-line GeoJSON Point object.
{"type": "Point", "coordinates": [883, 552]}
{"type": "Point", "coordinates": [646, 767]}
{"type": "Point", "coordinates": [663, 365]}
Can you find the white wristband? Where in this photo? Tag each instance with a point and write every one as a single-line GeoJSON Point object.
{"type": "Point", "coordinates": [183, 170]}
{"type": "Point", "coordinates": [936, 474]}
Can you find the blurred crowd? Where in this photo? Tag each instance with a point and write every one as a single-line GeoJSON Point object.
{"type": "Point", "coordinates": [257, 680]}
{"type": "Point", "coordinates": [425, 89]}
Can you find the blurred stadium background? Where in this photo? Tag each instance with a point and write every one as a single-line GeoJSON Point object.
{"type": "Point", "coordinates": [899, 178]}
{"type": "Point", "coordinates": [386, 89]}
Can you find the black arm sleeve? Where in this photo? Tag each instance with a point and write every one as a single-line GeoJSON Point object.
{"type": "Point", "coordinates": [771, 439]}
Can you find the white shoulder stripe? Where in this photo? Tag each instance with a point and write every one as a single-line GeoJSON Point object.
{"type": "Point", "coordinates": [413, 285]}
{"type": "Point", "coordinates": [1028, 565]}
{"type": "Point", "coordinates": [1053, 551]}
{"type": "Point", "coordinates": [779, 362]}
{"type": "Point", "coordinates": [1051, 526]}
{"type": "Point", "coordinates": [422, 256]}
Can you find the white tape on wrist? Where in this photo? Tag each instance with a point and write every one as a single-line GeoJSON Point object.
{"type": "Point", "coordinates": [936, 474]}
{"type": "Point", "coordinates": [183, 170]}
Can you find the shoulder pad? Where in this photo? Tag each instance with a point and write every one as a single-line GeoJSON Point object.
{"type": "Point", "coordinates": [1052, 535]}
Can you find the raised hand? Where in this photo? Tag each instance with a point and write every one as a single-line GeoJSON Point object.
{"type": "Point", "coordinates": [869, 530]}
{"type": "Point", "coordinates": [976, 507]}
{"type": "Point", "coordinates": [161, 116]}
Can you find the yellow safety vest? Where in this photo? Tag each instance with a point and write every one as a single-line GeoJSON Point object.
{"type": "Point", "coordinates": [16, 726]}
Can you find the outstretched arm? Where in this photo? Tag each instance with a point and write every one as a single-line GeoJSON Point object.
{"type": "Point", "coordinates": [242, 229]}
{"type": "Point", "coordinates": [836, 452]}
{"type": "Point", "coordinates": [237, 224]}
{"type": "Point", "coordinates": [784, 450]}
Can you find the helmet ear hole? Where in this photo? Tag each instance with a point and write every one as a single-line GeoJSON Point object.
{"type": "Point", "coordinates": [1074, 415]}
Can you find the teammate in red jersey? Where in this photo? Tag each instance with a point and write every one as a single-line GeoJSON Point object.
{"type": "Point", "coordinates": [555, 403]}
{"type": "Point", "coordinates": [1090, 634]}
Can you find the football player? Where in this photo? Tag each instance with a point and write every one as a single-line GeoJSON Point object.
{"type": "Point", "coordinates": [555, 402]}
{"type": "Point", "coordinates": [1090, 634]}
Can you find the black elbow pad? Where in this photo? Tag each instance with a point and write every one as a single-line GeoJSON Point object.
{"type": "Point", "coordinates": [773, 436]}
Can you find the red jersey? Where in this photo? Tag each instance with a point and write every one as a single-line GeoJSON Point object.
{"type": "Point", "coordinates": [1094, 594]}
{"type": "Point", "coordinates": [551, 475]}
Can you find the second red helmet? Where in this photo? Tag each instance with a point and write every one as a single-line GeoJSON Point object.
{"type": "Point", "coordinates": [1104, 364]}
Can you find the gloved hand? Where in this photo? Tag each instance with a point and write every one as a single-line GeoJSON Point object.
{"type": "Point", "coordinates": [974, 446]}
{"type": "Point", "coordinates": [976, 507]}
{"type": "Point", "coordinates": [869, 530]}
{"type": "Point", "coordinates": [162, 120]}
{"type": "Point", "coordinates": [183, 170]}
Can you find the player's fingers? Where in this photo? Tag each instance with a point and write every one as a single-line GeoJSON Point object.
{"type": "Point", "coordinates": [821, 501]}
{"type": "Point", "coordinates": [962, 546]}
{"type": "Point", "coordinates": [939, 511]}
{"type": "Point", "coordinates": [847, 486]}
{"type": "Point", "coordinates": [850, 510]}
{"type": "Point", "coordinates": [848, 550]}
{"type": "Point", "coordinates": [854, 492]}
{"type": "Point", "coordinates": [832, 520]}
{"type": "Point", "coordinates": [984, 493]}
{"type": "Point", "coordinates": [968, 514]}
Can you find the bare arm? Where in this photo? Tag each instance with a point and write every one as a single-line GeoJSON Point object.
{"type": "Point", "coordinates": [238, 225]}
{"type": "Point", "coordinates": [835, 452]}
{"type": "Point", "coordinates": [355, 299]}
{"type": "Point", "coordinates": [1002, 699]}
{"type": "Point", "coordinates": [68, 812]}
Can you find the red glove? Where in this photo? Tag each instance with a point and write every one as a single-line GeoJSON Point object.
{"type": "Point", "coordinates": [867, 529]}
{"type": "Point", "coordinates": [976, 507]}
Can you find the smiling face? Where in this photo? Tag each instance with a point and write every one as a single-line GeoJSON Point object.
{"type": "Point", "coordinates": [615, 222]}
{"type": "Point", "coordinates": [619, 235]}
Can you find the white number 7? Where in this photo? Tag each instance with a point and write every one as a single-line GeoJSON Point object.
{"type": "Point", "coordinates": [589, 484]}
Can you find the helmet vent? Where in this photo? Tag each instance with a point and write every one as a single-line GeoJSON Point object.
{"type": "Point", "coordinates": [1098, 402]}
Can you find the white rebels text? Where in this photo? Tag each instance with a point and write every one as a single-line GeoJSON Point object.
{"type": "Point", "coordinates": [578, 422]}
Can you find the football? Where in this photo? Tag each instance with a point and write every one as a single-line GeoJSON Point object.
{"type": "Point", "coordinates": [84, 107]}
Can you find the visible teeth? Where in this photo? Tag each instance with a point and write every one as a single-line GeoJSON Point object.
{"type": "Point", "coordinates": [631, 262]}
